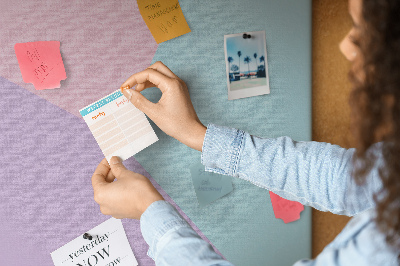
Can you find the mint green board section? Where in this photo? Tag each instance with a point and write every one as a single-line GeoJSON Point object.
{"type": "Point", "coordinates": [241, 224]}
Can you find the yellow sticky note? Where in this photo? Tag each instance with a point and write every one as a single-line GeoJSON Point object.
{"type": "Point", "coordinates": [164, 18]}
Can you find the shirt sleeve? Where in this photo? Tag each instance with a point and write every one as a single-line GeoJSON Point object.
{"type": "Point", "coordinates": [313, 173]}
{"type": "Point", "coordinates": [172, 241]}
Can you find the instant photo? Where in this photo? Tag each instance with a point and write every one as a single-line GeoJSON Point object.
{"type": "Point", "coordinates": [246, 64]}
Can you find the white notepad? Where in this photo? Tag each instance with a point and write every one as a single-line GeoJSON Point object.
{"type": "Point", "coordinates": [118, 126]}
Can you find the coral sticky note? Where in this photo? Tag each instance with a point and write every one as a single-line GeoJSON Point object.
{"type": "Point", "coordinates": [41, 63]}
{"type": "Point", "coordinates": [284, 209]}
{"type": "Point", "coordinates": [164, 18]}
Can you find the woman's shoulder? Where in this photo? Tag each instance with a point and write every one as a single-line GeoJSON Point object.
{"type": "Point", "coordinates": [361, 240]}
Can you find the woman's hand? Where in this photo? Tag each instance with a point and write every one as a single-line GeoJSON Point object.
{"type": "Point", "coordinates": [127, 197]}
{"type": "Point", "coordinates": [174, 113]}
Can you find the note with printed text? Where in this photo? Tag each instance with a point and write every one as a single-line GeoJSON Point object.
{"type": "Point", "coordinates": [41, 63]}
{"type": "Point", "coordinates": [108, 246]}
{"type": "Point", "coordinates": [164, 18]}
{"type": "Point", "coordinates": [118, 126]}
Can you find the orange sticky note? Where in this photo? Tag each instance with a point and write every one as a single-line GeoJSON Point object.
{"type": "Point", "coordinates": [164, 18]}
{"type": "Point", "coordinates": [284, 209]}
{"type": "Point", "coordinates": [41, 63]}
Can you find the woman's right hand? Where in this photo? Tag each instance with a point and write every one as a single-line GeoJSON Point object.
{"type": "Point", "coordinates": [173, 113]}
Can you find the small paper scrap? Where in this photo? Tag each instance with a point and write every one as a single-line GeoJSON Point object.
{"type": "Point", "coordinates": [288, 211]}
{"type": "Point", "coordinates": [41, 64]}
{"type": "Point", "coordinates": [108, 246]}
{"type": "Point", "coordinates": [164, 18]}
{"type": "Point", "coordinates": [118, 126]}
{"type": "Point", "coordinates": [209, 186]}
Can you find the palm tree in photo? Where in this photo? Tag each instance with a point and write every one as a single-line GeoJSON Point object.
{"type": "Point", "coordinates": [262, 59]}
{"type": "Point", "coordinates": [230, 60]}
{"type": "Point", "coordinates": [239, 55]}
{"type": "Point", "coordinates": [247, 60]}
{"type": "Point", "coordinates": [234, 68]}
{"type": "Point", "coordinates": [255, 58]}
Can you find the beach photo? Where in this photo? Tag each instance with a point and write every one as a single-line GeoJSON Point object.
{"type": "Point", "coordinates": [246, 64]}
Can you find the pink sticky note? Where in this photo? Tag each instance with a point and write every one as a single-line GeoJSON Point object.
{"type": "Point", "coordinates": [284, 209]}
{"type": "Point", "coordinates": [41, 64]}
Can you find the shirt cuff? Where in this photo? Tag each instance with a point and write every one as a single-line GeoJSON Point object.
{"type": "Point", "coordinates": [158, 219]}
{"type": "Point", "coordinates": [222, 148]}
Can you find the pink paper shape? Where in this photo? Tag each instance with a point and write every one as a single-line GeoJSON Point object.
{"type": "Point", "coordinates": [41, 63]}
{"type": "Point", "coordinates": [284, 209]}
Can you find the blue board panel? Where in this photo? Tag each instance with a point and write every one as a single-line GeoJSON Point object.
{"type": "Point", "coordinates": [242, 224]}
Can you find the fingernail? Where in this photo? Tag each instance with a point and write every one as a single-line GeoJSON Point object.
{"type": "Point", "coordinates": [115, 160]}
{"type": "Point", "coordinates": [128, 94]}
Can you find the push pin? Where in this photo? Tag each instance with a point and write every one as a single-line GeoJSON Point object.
{"type": "Point", "coordinates": [87, 236]}
{"type": "Point", "coordinates": [246, 36]}
{"type": "Point", "coordinates": [125, 88]}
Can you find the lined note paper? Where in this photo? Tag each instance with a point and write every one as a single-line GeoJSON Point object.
{"type": "Point", "coordinates": [41, 63]}
{"type": "Point", "coordinates": [118, 126]}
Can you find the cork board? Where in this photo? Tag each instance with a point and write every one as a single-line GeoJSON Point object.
{"type": "Point", "coordinates": [330, 97]}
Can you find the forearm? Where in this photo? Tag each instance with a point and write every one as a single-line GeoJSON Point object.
{"type": "Point", "coordinates": [172, 241]}
{"type": "Point", "coordinates": [312, 173]}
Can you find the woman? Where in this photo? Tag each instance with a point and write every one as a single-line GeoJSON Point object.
{"type": "Point", "coordinates": [316, 174]}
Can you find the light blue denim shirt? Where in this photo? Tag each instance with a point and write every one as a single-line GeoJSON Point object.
{"type": "Point", "coordinates": [312, 173]}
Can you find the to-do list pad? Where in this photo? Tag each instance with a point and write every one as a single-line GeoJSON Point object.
{"type": "Point", "coordinates": [118, 126]}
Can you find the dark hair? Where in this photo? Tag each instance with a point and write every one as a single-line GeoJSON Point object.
{"type": "Point", "coordinates": [375, 103]}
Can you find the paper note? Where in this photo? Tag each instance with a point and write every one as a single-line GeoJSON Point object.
{"type": "Point", "coordinates": [284, 209]}
{"type": "Point", "coordinates": [118, 126]}
{"type": "Point", "coordinates": [209, 186]}
{"type": "Point", "coordinates": [164, 18]}
{"type": "Point", "coordinates": [108, 246]}
{"type": "Point", "coordinates": [41, 63]}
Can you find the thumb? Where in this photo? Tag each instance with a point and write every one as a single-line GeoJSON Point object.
{"type": "Point", "coordinates": [116, 166]}
{"type": "Point", "coordinates": [138, 100]}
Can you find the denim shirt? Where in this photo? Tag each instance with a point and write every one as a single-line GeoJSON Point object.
{"type": "Point", "coordinates": [312, 173]}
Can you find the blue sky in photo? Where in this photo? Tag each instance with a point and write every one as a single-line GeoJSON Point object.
{"type": "Point", "coordinates": [248, 47]}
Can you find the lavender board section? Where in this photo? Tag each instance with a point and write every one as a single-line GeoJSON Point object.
{"type": "Point", "coordinates": [102, 44]}
{"type": "Point", "coordinates": [48, 157]}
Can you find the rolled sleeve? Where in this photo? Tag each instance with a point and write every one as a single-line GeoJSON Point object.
{"type": "Point", "coordinates": [221, 149]}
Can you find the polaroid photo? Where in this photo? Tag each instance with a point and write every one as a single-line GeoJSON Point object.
{"type": "Point", "coordinates": [246, 64]}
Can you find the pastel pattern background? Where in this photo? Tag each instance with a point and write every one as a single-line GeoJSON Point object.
{"type": "Point", "coordinates": [242, 224]}
{"type": "Point", "coordinates": [102, 44]}
{"type": "Point", "coordinates": [48, 158]}
{"type": "Point", "coordinates": [48, 153]}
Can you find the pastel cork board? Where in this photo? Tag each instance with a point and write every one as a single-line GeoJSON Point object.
{"type": "Point", "coordinates": [255, 236]}
{"type": "Point", "coordinates": [50, 199]}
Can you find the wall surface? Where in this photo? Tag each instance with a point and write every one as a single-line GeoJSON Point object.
{"type": "Point", "coordinates": [331, 89]}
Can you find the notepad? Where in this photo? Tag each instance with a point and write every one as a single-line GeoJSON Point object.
{"type": "Point", "coordinates": [118, 126]}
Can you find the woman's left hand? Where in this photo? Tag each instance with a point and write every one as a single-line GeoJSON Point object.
{"type": "Point", "coordinates": [128, 197]}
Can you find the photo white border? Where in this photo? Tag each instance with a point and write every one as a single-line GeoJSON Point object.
{"type": "Point", "coordinates": [248, 92]}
